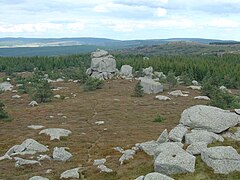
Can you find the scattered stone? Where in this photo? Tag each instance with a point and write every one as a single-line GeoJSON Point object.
{"type": "Point", "coordinates": [149, 147]}
{"type": "Point", "coordinates": [237, 111]}
{"type": "Point", "coordinates": [72, 173]}
{"type": "Point", "coordinates": [43, 157]}
{"type": "Point", "coordinates": [160, 75]}
{"type": "Point", "coordinates": [224, 89]}
{"type": "Point", "coordinates": [57, 96]}
{"type": "Point", "coordinates": [99, 122]}
{"type": "Point", "coordinates": [210, 118]}
{"type": "Point", "coordinates": [60, 154]}
{"type": "Point", "coordinates": [33, 103]}
{"type": "Point", "coordinates": [119, 149]}
{"type": "Point", "coordinates": [6, 156]}
{"type": "Point", "coordinates": [127, 154]}
{"type": "Point", "coordinates": [196, 148]}
{"type": "Point", "coordinates": [157, 176]}
{"type": "Point", "coordinates": [38, 178]}
{"type": "Point", "coordinates": [195, 83]}
{"type": "Point", "coordinates": [202, 136]}
{"type": "Point", "coordinates": [163, 137]}
{"type": "Point", "coordinates": [195, 87]}
{"type": "Point", "coordinates": [14, 91]}
{"type": "Point", "coordinates": [36, 127]}
{"type": "Point", "coordinates": [177, 93]}
{"type": "Point", "coordinates": [223, 159]}
{"type": "Point", "coordinates": [177, 133]}
{"type": "Point", "coordinates": [174, 162]}
{"type": "Point", "coordinates": [60, 80]}
{"type": "Point", "coordinates": [150, 86]}
{"type": "Point", "coordinates": [104, 169]}
{"type": "Point", "coordinates": [99, 161]}
{"type": "Point", "coordinates": [126, 71]}
{"type": "Point", "coordinates": [49, 171]}
{"type": "Point", "coordinates": [140, 178]}
{"type": "Point", "coordinates": [163, 98]}
{"type": "Point", "coordinates": [148, 72]}
{"type": "Point", "coordinates": [202, 98]}
{"type": "Point", "coordinates": [16, 97]}
{"type": "Point", "coordinates": [22, 162]}
{"type": "Point", "coordinates": [169, 147]}
{"type": "Point", "coordinates": [6, 86]}
{"type": "Point", "coordinates": [56, 133]}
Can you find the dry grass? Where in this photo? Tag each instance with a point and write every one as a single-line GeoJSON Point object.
{"type": "Point", "coordinates": [127, 121]}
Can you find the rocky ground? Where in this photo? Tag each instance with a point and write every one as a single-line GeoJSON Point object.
{"type": "Point", "coordinates": [127, 121]}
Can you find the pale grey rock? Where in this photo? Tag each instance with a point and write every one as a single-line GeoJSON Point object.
{"type": "Point", "coordinates": [14, 91]}
{"type": "Point", "coordinates": [162, 98]}
{"type": "Point", "coordinates": [104, 169]}
{"type": "Point", "coordinates": [127, 155]}
{"type": "Point", "coordinates": [223, 159]}
{"type": "Point", "coordinates": [38, 178]}
{"type": "Point", "coordinates": [163, 137]}
{"type": "Point", "coordinates": [99, 53]}
{"type": "Point", "coordinates": [126, 71]}
{"type": "Point", "coordinates": [148, 72]}
{"type": "Point", "coordinates": [140, 178]}
{"type": "Point", "coordinates": [43, 157]}
{"type": "Point", "coordinates": [99, 161]}
{"type": "Point", "coordinates": [195, 83]}
{"type": "Point", "coordinates": [224, 89]}
{"type": "Point", "coordinates": [157, 176]}
{"type": "Point", "coordinates": [72, 173]}
{"type": "Point", "coordinates": [174, 162]}
{"type": "Point", "coordinates": [33, 103]}
{"type": "Point", "coordinates": [6, 86]}
{"type": "Point", "coordinates": [6, 156]}
{"type": "Point", "coordinates": [36, 127]}
{"type": "Point", "coordinates": [59, 80]}
{"type": "Point", "coordinates": [237, 111]}
{"type": "Point", "coordinates": [150, 86]}
{"type": "Point", "coordinates": [99, 122]}
{"type": "Point", "coordinates": [60, 154]}
{"type": "Point", "coordinates": [196, 148]}
{"type": "Point", "coordinates": [48, 171]}
{"type": "Point", "coordinates": [119, 149]}
{"type": "Point", "coordinates": [57, 96]}
{"type": "Point", "coordinates": [16, 97]}
{"type": "Point", "coordinates": [177, 93]}
{"type": "Point", "coordinates": [22, 162]}
{"type": "Point", "coordinates": [202, 98]}
{"type": "Point", "coordinates": [169, 147]}
{"type": "Point", "coordinates": [177, 133]}
{"type": "Point", "coordinates": [202, 136]}
{"type": "Point", "coordinates": [160, 75]}
{"type": "Point", "coordinates": [195, 87]}
{"type": "Point", "coordinates": [149, 147]}
{"type": "Point", "coordinates": [56, 133]}
{"type": "Point", "coordinates": [210, 118]}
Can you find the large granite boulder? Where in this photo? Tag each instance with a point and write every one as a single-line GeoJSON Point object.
{"type": "Point", "coordinates": [210, 118]}
{"type": "Point", "coordinates": [177, 133]}
{"type": "Point", "coordinates": [150, 86]}
{"type": "Point", "coordinates": [103, 65]}
{"type": "Point", "coordinates": [171, 162]}
{"type": "Point", "coordinates": [223, 159]}
{"type": "Point", "coordinates": [202, 136]}
{"type": "Point", "coordinates": [126, 71]}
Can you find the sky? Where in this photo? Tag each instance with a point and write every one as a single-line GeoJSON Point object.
{"type": "Point", "coordinates": [121, 19]}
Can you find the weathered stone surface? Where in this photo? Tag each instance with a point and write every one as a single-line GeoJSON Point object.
{"type": "Point", "coordinates": [36, 127]}
{"type": "Point", "coordinates": [6, 86]}
{"type": "Point", "coordinates": [99, 53]}
{"type": "Point", "coordinates": [210, 118]}
{"type": "Point", "coordinates": [223, 159]}
{"type": "Point", "coordinates": [126, 71]}
{"type": "Point", "coordinates": [202, 98]}
{"type": "Point", "coordinates": [195, 87]}
{"type": "Point", "coordinates": [56, 133]}
{"type": "Point", "coordinates": [33, 103]}
{"type": "Point", "coordinates": [202, 136]}
{"type": "Point", "coordinates": [99, 161]}
{"type": "Point", "coordinates": [149, 147]}
{"type": "Point", "coordinates": [174, 162]}
{"type": "Point", "coordinates": [177, 93]}
{"type": "Point", "coordinates": [60, 154]}
{"type": "Point", "coordinates": [196, 147]}
{"type": "Point", "coordinates": [162, 98]}
{"type": "Point", "coordinates": [104, 169]}
{"type": "Point", "coordinates": [72, 173]}
{"type": "Point", "coordinates": [157, 176]}
{"type": "Point", "coordinates": [22, 162]}
{"type": "Point", "coordinates": [163, 137]}
{"type": "Point", "coordinates": [169, 147]}
{"type": "Point", "coordinates": [38, 178]}
{"type": "Point", "coordinates": [177, 133]}
{"type": "Point", "coordinates": [148, 72]}
{"type": "Point", "coordinates": [150, 86]}
{"type": "Point", "coordinates": [127, 155]}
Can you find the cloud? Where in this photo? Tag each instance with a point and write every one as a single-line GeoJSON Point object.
{"type": "Point", "coordinates": [160, 12]}
{"type": "Point", "coordinates": [224, 23]}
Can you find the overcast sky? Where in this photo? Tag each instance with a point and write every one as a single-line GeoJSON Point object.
{"type": "Point", "coordinates": [121, 19]}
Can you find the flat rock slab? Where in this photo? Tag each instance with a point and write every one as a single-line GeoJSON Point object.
{"type": "Point", "coordinates": [202, 136]}
{"type": "Point", "coordinates": [157, 176]}
{"type": "Point", "coordinates": [163, 98]}
{"type": "Point", "coordinates": [38, 178]}
{"type": "Point", "coordinates": [36, 127]}
{"type": "Point", "coordinates": [202, 98]}
{"type": "Point", "coordinates": [209, 118]}
{"type": "Point", "coordinates": [177, 133]}
{"type": "Point", "coordinates": [196, 148]}
{"type": "Point", "coordinates": [56, 133]}
{"type": "Point", "coordinates": [178, 93]}
{"type": "Point", "coordinates": [72, 173]}
{"type": "Point", "coordinates": [60, 154]}
{"type": "Point", "coordinates": [174, 163]}
{"type": "Point", "coordinates": [97, 162]}
{"type": "Point", "coordinates": [163, 137]}
{"type": "Point", "coordinates": [6, 86]}
{"type": "Point", "coordinates": [223, 159]}
{"type": "Point", "coordinates": [22, 162]}
{"type": "Point", "coordinates": [104, 169]}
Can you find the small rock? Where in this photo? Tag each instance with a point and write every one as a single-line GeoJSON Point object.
{"type": "Point", "coordinates": [140, 178]}
{"type": "Point", "coordinates": [163, 137]}
{"type": "Point", "coordinates": [177, 93]}
{"type": "Point", "coordinates": [21, 162]}
{"type": "Point", "coordinates": [43, 157]}
{"type": "Point", "coordinates": [60, 154]}
{"type": "Point", "coordinates": [33, 103]}
{"type": "Point", "coordinates": [14, 91]}
{"type": "Point", "coordinates": [72, 173]}
{"type": "Point", "coordinates": [16, 97]}
{"type": "Point", "coordinates": [177, 133]}
{"type": "Point", "coordinates": [224, 89]}
{"type": "Point", "coordinates": [202, 98]}
{"type": "Point", "coordinates": [119, 149]}
{"type": "Point", "coordinates": [99, 122]}
{"type": "Point", "coordinates": [56, 133]}
{"type": "Point", "coordinates": [57, 96]}
{"type": "Point", "coordinates": [49, 171]}
{"type": "Point", "coordinates": [36, 127]}
{"type": "Point", "coordinates": [195, 87]}
{"type": "Point", "coordinates": [163, 98]}
{"type": "Point", "coordinates": [104, 168]}
{"type": "Point", "coordinates": [99, 162]}
{"type": "Point", "coordinates": [127, 154]}
{"type": "Point", "coordinates": [157, 176]}
{"type": "Point", "coordinates": [196, 148]}
{"type": "Point", "coordinates": [38, 178]}
{"type": "Point", "coordinates": [195, 83]}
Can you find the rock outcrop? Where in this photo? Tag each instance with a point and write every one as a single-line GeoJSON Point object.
{"type": "Point", "coordinates": [56, 133]}
{"type": "Point", "coordinates": [126, 71]}
{"type": "Point", "coordinates": [150, 86]}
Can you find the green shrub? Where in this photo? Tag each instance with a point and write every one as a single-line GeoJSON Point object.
{"type": "Point", "coordinates": [171, 80]}
{"type": "Point", "coordinates": [159, 118]}
{"type": "Point", "coordinates": [92, 84]}
{"type": "Point", "coordinates": [3, 114]}
{"type": "Point", "coordinates": [138, 90]}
